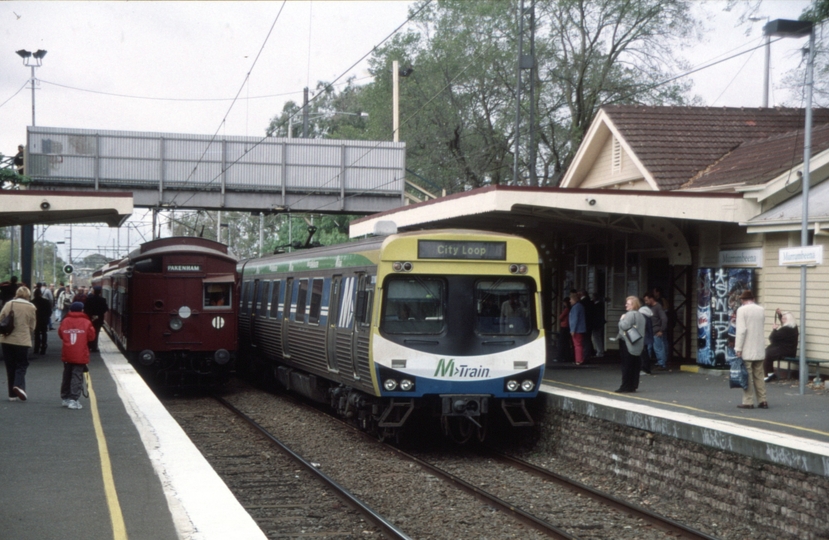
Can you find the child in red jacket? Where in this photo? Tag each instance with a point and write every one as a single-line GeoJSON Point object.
{"type": "Point", "coordinates": [76, 331]}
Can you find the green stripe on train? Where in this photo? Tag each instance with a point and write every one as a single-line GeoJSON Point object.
{"type": "Point", "coordinates": [348, 260]}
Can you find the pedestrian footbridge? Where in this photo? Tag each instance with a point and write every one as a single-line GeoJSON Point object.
{"type": "Point", "coordinates": [224, 173]}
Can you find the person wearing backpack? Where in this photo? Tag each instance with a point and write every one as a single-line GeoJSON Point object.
{"type": "Point", "coordinates": [76, 332]}
{"type": "Point", "coordinates": [16, 344]}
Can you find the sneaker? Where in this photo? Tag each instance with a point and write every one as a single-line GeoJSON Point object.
{"type": "Point", "coordinates": [74, 404]}
{"type": "Point", "coordinates": [65, 402]}
{"type": "Point", "coordinates": [770, 377]}
{"type": "Point", "coordinates": [13, 399]}
{"type": "Point", "coordinates": [20, 393]}
{"type": "Point", "coordinates": [642, 373]}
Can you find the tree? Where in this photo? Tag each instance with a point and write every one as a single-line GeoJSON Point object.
{"type": "Point", "coordinates": [458, 107]}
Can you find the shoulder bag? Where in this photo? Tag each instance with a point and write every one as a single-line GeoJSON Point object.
{"type": "Point", "coordinates": [633, 334]}
{"type": "Point", "coordinates": [7, 323]}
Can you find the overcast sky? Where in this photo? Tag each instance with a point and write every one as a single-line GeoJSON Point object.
{"type": "Point", "coordinates": [167, 55]}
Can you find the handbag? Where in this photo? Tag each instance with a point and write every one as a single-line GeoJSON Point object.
{"type": "Point", "coordinates": [738, 376]}
{"type": "Point", "coordinates": [633, 334]}
{"type": "Point", "coordinates": [7, 323]}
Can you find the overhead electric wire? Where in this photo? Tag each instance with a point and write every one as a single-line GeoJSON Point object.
{"type": "Point", "coordinates": [12, 96]}
{"type": "Point", "coordinates": [327, 86]}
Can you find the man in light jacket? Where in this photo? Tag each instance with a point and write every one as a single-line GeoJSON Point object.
{"type": "Point", "coordinates": [750, 345]}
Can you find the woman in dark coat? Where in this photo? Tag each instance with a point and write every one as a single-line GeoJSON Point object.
{"type": "Point", "coordinates": [782, 341]}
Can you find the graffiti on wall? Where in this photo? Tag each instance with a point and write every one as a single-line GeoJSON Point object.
{"type": "Point", "coordinates": [718, 297]}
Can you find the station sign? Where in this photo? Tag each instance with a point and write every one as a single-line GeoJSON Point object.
{"type": "Point", "coordinates": [801, 256]}
{"type": "Point", "coordinates": [741, 258]}
{"type": "Point", "coordinates": [453, 249]}
{"type": "Point", "coordinates": [184, 268]}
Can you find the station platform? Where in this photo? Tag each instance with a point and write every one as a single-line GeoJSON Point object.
{"type": "Point", "coordinates": [119, 468]}
{"type": "Point", "coordinates": [697, 404]}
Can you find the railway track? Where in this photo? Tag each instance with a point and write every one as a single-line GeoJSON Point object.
{"type": "Point", "coordinates": [519, 491]}
{"type": "Point", "coordinates": [385, 526]}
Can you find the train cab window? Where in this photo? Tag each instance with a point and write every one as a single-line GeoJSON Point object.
{"type": "Point", "coordinates": [503, 307]}
{"type": "Point", "coordinates": [414, 305]}
{"type": "Point", "coordinates": [217, 295]}
{"type": "Point", "coordinates": [275, 299]}
{"type": "Point", "coordinates": [301, 300]}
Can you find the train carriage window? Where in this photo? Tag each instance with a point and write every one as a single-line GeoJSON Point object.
{"type": "Point", "coordinates": [414, 305]}
{"type": "Point", "coordinates": [275, 299]}
{"type": "Point", "coordinates": [217, 295]}
{"type": "Point", "coordinates": [503, 307]}
{"type": "Point", "coordinates": [301, 300]}
{"type": "Point", "coordinates": [316, 301]}
{"type": "Point", "coordinates": [265, 295]}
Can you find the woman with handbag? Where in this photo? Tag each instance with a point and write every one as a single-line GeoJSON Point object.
{"type": "Point", "coordinates": [632, 327]}
{"type": "Point", "coordinates": [16, 344]}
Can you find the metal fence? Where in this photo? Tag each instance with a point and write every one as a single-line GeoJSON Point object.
{"type": "Point", "coordinates": [104, 160]}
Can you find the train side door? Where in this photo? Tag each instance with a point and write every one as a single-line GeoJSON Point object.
{"type": "Point", "coordinates": [286, 316]}
{"type": "Point", "coordinates": [333, 317]}
{"type": "Point", "coordinates": [362, 323]}
{"type": "Point", "coordinates": [253, 309]}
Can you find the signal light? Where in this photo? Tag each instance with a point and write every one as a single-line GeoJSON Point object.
{"type": "Point", "coordinates": [68, 269]}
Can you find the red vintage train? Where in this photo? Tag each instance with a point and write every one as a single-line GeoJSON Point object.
{"type": "Point", "coordinates": [172, 310]}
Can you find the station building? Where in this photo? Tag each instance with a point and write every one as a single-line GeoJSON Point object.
{"type": "Point", "coordinates": [695, 201]}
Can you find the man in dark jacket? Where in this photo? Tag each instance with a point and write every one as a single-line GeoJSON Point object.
{"type": "Point", "coordinates": [43, 309]}
{"type": "Point", "coordinates": [95, 307]}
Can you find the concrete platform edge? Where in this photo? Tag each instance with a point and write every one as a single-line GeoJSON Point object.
{"type": "Point", "coordinates": [795, 452]}
{"type": "Point", "coordinates": [202, 506]}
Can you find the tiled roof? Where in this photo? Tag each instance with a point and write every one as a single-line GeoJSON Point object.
{"type": "Point", "coordinates": [679, 144]}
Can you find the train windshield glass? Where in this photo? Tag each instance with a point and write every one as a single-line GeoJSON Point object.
{"type": "Point", "coordinates": [414, 305]}
{"type": "Point", "coordinates": [217, 295]}
{"type": "Point", "coordinates": [503, 307]}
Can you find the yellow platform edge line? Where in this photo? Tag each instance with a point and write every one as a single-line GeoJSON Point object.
{"type": "Point", "coordinates": [119, 529]}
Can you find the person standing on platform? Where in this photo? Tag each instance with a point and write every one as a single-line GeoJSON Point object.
{"type": "Point", "coordinates": [588, 323]}
{"type": "Point", "coordinates": [750, 346]}
{"type": "Point", "coordinates": [43, 312]}
{"type": "Point", "coordinates": [782, 341]}
{"type": "Point", "coordinates": [660, 328]}
{"type": "Point", "coordinates": [630, 349]}
{"type": "Point", "coordinates": [8, 289]}
{"type": "Point", "coordinates": [80, 296]}
{"type": "Point", "coordinates": [76, 332]}
{"type": "Point", "coordinates": [647, 350]}
{"type": "Point", "coordinates": [47, 294]}
{"type": "Point", "coordinates": [64, 301]}
{"type": "Point", "coordinates": [16, 345]}
{"type": "Point", "coordinates": [95, 307]}
{"type": "Point", "coordinates": [578, 327]}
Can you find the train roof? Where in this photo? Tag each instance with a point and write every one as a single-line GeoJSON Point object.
{"type": "Point", "coordinates": [361, 252]}
{"type": "Point", "coordinates": [182, 244]}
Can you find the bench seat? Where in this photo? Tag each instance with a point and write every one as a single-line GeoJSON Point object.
{"type": "Point", "coordinates": [809, 362]}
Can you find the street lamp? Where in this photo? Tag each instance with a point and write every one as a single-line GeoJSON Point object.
{"type": "Point", "coordinates": [788, 28]}
{"type": "Point", "coordinates": [396, 73]}
{"type": "Point", "coordinates": [36, 63]}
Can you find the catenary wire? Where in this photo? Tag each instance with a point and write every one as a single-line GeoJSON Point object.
{"type": "Point", "coordinates": [12, 96]}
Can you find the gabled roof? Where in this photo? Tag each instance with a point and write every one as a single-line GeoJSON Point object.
{"type": "Point", "coordinates": [679, 144]}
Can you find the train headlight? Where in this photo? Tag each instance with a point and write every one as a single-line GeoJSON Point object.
{"type": "Point", "coordinates": [512, 386]}
{"type": "Point", "coordinates": [176, 324]}
{"type": "Point", "coordinates": [146, 357]}
{"type": "Point", "coordinates": [399, 266]}
{"type": "Point", "coordinates": [406, 385]}
{"type": "Point", "coordinates": [221, 357]}
{"type": "Point", "coordinates": [527, 386]}
{"type": "Point", "coordinates": [518, 269]}
{"type": "Point", "coordinates": [390, 385]}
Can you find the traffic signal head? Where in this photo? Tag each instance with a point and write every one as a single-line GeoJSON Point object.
{"type": "Point", "coordinates": [68, 269]}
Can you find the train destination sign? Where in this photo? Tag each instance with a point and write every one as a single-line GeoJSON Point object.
{"type": "Point", "coordinates": [184, 268]}
{"type": "Point", "coordinates": [453, 249]}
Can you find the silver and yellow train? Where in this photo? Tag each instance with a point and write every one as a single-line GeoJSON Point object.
{"type": "Point", "coordinates": [446, 322]}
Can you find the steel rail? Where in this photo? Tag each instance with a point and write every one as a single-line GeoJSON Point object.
{"type": "Point", "coordinates": [525, 517]}
{"type": "Point", "coordinates": [388, 529]}
{"type": "Point", "coordinates": [649, 516]}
